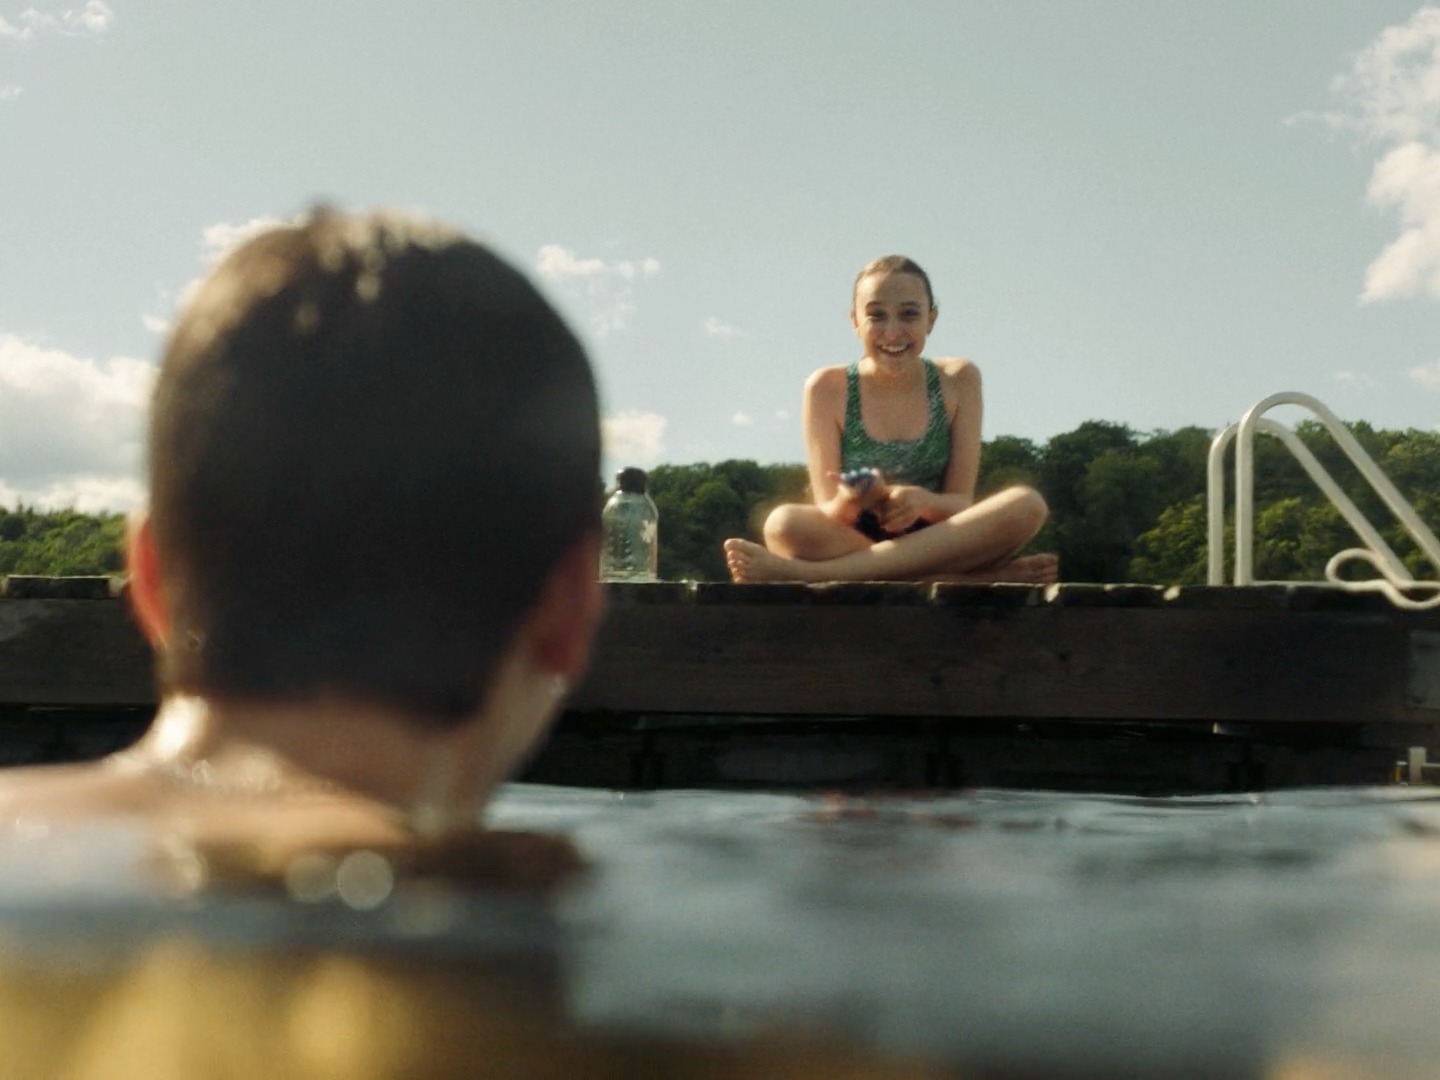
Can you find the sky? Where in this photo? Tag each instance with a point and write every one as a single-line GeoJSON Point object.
{"type": "Point", "coordinates": [1152, 214]}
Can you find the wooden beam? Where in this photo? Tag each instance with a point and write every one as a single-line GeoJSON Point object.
{"type": "Point", "coordinates": [1131, 653]}
{"type": "Point", "coordinates": [1294, 653]}
{"type": "Point", "coordinates": [72, 652]}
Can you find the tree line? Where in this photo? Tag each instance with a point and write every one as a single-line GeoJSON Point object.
{"type": "Point", "coordinates": [1124, 505]}
{"type": "Point", "coordinates": [60, 542]}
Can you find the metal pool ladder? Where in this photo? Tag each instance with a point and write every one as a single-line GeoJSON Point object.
{"type": "Point", "coordinates": [1394, 577]}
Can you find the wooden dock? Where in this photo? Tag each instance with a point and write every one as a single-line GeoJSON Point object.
{"type": "Point", "coordinates": [1083, 652]}
{"type": "Point", "coordinates": [1125, 687]}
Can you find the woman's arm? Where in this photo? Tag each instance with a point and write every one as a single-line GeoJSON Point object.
{"type": "Point", "coordinates": [961, 474]}
{"type": "Point", "coordinates": [822, 419]}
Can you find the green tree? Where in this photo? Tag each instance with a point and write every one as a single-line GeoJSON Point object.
{"type": "Point", "coordinates": [701, 505]}
{"type": "Point", "coordinates": [1174, 551]}
{"type": "Point", "coordinates": [1006, 461]}
{"type": "Point", "coordinates": [60, 542]}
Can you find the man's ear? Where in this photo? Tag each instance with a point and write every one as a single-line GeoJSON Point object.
{"type": "Point", "coordinates": [147, 599]}
{"type": "Point", "coordinates": [569, 609]}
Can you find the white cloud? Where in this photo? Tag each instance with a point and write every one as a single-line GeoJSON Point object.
{"type": "Point", "coordinates": [782, 414]}
{"type": "Point", "coordinates": [219, 240]}
{"type": "Point", "coordinates": [1391, 95]}
{"type": "Point", "coordinates": [1407, 178]}
{"type": "Point", "coordinates": [1391, 89]}
{"type": "Point", "coordinates": [71, 428]}
{"type": "Point", "coordinates": [1426, 375]}
{"type": "Point", "coordinates": [93, 19]}
{"type": "Point", "coordinates": [216, 241]}
{"type": "Point", "coordinates": [717, 329]}
{"type": "Point", "coordinates": [634, 438]}
{"type": "Point", "coordinates": [1355, 379]}
{"type": "Point", "coordinates": [558, 263]}
{"type": "Point", "coordinates": [604, 290]}
{"type": "Point", "coordinates": [88, 494]}
{"type": "Point", "coordinates": [741, 419]}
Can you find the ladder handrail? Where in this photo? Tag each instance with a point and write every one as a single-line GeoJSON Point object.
{"type": "Point", "coordinates": [1244, 433]}
{"type": "Point", "coordinates": [1317, 472]}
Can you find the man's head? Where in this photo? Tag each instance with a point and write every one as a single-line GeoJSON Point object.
{"type": "Point", "coordinates": [372, 444]}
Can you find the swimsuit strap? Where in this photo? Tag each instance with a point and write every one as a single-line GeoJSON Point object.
{"type": "Point", "coordinates": [919, 461]}
{"type": "Point", "coordinates": [936, 395]}
{"type": "Point", "coordinates": [853, 417]}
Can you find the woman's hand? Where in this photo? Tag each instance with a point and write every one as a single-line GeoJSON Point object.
{"type": "Point", "coordinates": [905, 505]}
{"type": "Point", "coordinates": [850, 500]}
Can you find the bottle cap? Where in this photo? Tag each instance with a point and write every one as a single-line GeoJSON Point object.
{"type": "Point", "coordinates": [632, 480]}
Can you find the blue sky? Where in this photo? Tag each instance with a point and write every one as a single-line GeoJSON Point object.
{"type": "Point", "coordinates": [1148, 213]}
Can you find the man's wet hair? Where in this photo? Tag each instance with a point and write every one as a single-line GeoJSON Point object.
{"type": "Point", "coordinates": [371, 442]}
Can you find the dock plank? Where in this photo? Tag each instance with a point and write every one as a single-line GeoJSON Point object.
{"type": "Point", "coordinates": [1086, 662]}
{"type": "Point", "coordinates": [72, 652]}
{"type": "Point", "coordinates": [1133, 653]}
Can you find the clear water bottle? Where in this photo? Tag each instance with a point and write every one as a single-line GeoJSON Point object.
{"type": "Point", "coordinates": [630, 549]}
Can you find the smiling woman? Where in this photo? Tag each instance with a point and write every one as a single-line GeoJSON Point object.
{"type": "Point", "coordinates": [893, 447]}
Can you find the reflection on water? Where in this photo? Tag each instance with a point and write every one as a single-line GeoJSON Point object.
{"type": "Point", "coordinates": [178, 1009]}
{"type": "Point", "coordinates": [1291, 935]}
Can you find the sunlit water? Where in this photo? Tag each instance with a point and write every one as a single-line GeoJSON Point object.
{"type": "Point", "coordinates": [1239, 935]}
{"type": "Point", "coordinates": [1019, 927]}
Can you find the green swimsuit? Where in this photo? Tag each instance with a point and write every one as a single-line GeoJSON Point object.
{"type": "Point", "coordinates": [921, 461]}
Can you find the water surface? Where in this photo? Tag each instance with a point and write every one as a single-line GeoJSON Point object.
{"type": "Point", "coordinates": [1287, 934]}
{"type": "Point", "coordinates": [1240, 933]}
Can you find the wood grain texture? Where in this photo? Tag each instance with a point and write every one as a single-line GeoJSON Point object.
{"type": "Point", "coordinates": [72, 652]}
{"type": "Point", "coordinates": [1083, 652]}
{"type": "Point", "coordinates": [1273, 654]}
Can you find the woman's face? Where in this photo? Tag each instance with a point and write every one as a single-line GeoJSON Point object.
{"type": "Point", "coordinates": [892, 316]}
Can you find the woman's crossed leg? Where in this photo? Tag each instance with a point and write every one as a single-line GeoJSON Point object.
{"type": "Point", "coordinates": [978, 544]}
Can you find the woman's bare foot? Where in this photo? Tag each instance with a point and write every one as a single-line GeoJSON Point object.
{"type": "Point", "coordinates": [1041, 569]}
{"type": "Point", "coordinates": [750, 563]}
